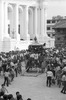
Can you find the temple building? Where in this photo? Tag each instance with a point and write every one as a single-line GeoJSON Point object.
{"type": "Point", "coordinates": [60, 34]}
{"type": "Point", "coordinates": [20, 22]}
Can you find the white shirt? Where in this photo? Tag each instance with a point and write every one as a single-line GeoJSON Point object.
{"type": "Point", "coordinates": [6, 74]}
{"type": "Point", "coordinates": [63, 78]}
{"type": "Point", "coordinates": [49, 73]}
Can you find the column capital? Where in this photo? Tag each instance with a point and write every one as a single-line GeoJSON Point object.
{"type": "Point", "coordinates": [20, 7]}
{"type": "Point", "coordinates": [6, 19]}
{"type": "Point", "coordinates": [17, 5]}
{"type": "Point", "coordinates": [42, 5]}
{"type": "Point", "coordinates": [35, 8]}
{"type": "Point", "coordinates": [26, 6]}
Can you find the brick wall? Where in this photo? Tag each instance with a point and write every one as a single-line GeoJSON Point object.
{"type": "Point", "coordinates": [60, 37]}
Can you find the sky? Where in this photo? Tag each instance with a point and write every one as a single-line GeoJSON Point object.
{"type": "Point", "coordinates": [56, 7]}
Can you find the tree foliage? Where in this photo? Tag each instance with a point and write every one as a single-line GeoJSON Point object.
{"type": "Point", "coordinates": [58, 17]}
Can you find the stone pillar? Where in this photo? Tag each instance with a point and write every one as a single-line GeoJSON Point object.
{"type": "Point", "coordinates": [42, 14]}
{"type": "Point", "coordinates": [42, 21]}
{"type": "Point", "coordinates": [15, 21]}
{"type": "Point", "coordinates": [26, 35]}
{"type": "Point", "coordinates": [1, 19]}
{"type": "Point", "coordinates": [6, 40]}
{"type": "Point", "coordinates": [45, 22]}
{"type": "Point", "coordinates": [1, 23]}
{"type": "Point", "coordinates": [6, 20]}
{"type": "Point", "coordinates": [39, 21]}
{"type": "Point", "coordinates": [36, 21]}
{"type": "Point", "coordinates": [30, 22]}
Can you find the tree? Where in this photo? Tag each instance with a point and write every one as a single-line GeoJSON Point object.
{"type": "Point", "coordinates": [58, 17]}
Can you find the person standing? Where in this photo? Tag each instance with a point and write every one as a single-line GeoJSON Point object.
{"type": "Point", "coordinates": [49, 75]}
{"type": "Point", "coordinates": [64, 84]}
{"type": "Point", "coordinates": [6, 77]}
{"type": "Point", "coordinates": [12, 72]}
{"type": "Point", "coordinates": [16, 69]}
{"type": "Point", "coordinates": [0, 65]}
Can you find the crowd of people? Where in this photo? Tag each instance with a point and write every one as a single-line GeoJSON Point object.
{"type": "Point", "coordinates": [56, 68]}
{"type": "Point", "coordinates": [50, 61]}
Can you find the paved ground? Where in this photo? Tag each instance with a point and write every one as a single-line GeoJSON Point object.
{"type": "Point", "coordinates": [35, 88]}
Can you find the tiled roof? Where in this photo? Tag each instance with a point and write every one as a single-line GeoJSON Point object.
{"type": "Point", "coordinates": [60, 24]}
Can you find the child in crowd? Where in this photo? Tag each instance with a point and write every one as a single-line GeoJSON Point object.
{"type": "Point", "coordinates": [3, 89]}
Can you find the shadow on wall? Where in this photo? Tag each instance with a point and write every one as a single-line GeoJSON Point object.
{"type": "Point", "coordinates": [6, 45]}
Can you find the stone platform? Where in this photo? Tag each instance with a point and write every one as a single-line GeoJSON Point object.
{"type": "Point", "coordinates": [34, 74]}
